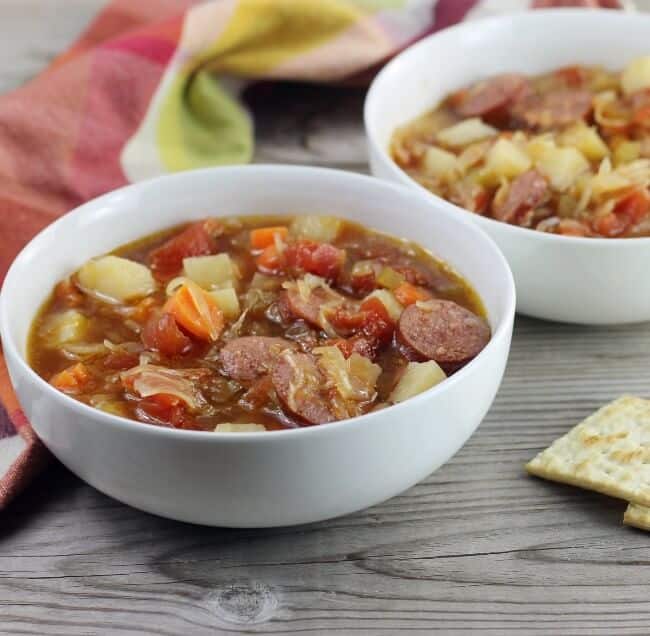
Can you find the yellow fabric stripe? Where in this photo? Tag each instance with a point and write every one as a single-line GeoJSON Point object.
{"type": "Point", "coordinates": [264, 33]}
{"type": "Point", "coordinates": [200, 124]}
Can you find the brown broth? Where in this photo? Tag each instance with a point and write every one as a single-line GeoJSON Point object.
{"type": "Point", "coordinates": [227, 400]}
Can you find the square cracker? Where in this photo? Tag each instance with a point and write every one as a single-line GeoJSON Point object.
{"type": "Point", "coordinates": [637, 516]}
{"type": "Point", "coordinates": [609, 452]}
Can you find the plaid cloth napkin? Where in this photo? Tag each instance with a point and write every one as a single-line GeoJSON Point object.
{"type": "Point", "coordinates": [152, 87]}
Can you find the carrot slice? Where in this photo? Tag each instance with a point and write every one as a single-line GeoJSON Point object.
{"type": "Point", "coordinates": [73, 380]}
{"type": "Point", "coordinates": [196, 311]}
{"type": "Point", "coordinates": [262, 237]}
{"type": "Point", "coordinates": [408, 294]}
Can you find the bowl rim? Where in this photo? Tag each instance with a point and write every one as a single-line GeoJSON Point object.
{"type": "Point", "coordinates": [492, 225]}
{"type": "Point", "coordinates": [129, 425]}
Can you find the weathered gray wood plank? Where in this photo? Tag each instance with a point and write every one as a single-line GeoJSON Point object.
{"type": "Point", "coordinates": [477, 547]}
{"type": "Point", "coordinates": [32, 32]}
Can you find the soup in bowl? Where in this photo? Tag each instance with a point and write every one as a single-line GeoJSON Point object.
{"type": "Point", "coordinates": [158, 382]}
{"type": "Point", "coordinates": [556, 167]}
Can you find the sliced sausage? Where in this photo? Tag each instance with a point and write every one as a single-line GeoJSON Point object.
{"type": "Point", "coordinates": [493, 94]}
{"type": "Point", "coordinates": [249, 357]}
{"type": "Point", "coordinates": [528, 191]}
{"type": "Point", "coordinates": [443, 331]}
{"type": "Point", "coordinates": [309, 309]}
{"type": "Point", "coordinates": [299, 383]}
{"type": "Point", "coordinates": [557, 108]}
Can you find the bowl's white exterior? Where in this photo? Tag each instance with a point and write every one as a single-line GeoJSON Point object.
{"type": "Point", "coordinates": [279, 478]}
{"type": "Point", "coordinates": [591, 281]}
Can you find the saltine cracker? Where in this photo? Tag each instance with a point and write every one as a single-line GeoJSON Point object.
{"type": "Point", "coordinates": [608, 452]}
{"type": "Point", "coordinates": [637, 516]}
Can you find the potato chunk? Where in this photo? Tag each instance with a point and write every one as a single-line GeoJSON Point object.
{"type": "Point", "coordinates": [440, 163]}
{"type": "Point", "coordinates": [116, 279]}
{"type": "Point", "coordinates": [538, 146]}
{"type": "Point", "coordinates": [562, 166]}
{"type": "Point", "coordinates": [626, 152]}
{"type": "Point", "coordinates": [227, 301]}
{"type": "Point", "coordinates": [68, 326]}
{"type": "Point", "coordinates": [418, 377]}
{"type": "Point", "coordinates": [239, 428]}
{"type": "Point", "coordinates": [586, 139]}
{"type": "Point", "coordinates": [210, 271]}
{"type": "Point", "coordinates": [636, 75]}
{"type": "Point", "coordinates": [465, 132]}
{"type": "Point", "coordinates": [506, 159]}
{"type": "Point", "coordinates": [323, 229]}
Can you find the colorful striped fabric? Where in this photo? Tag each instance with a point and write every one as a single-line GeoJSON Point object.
{"type": "Point", "coordinates": [152, 87]}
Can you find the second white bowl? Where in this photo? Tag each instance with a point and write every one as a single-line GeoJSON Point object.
{"type": "Point", "coordinates": [581, 280]}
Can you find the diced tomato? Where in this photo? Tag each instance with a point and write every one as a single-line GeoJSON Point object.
{"type": "Point", "coordinates": [258, 394]}
{"type": "Point", "coordinates": [196, 311]}
{"type": "Point", "coordinates": [642, 116]}
{"type": "Point", "coordinates": [166, 409]}
{"type": "Point", "coordinates": [412, 275]}
{"type": "Point", "coordinates": [121, 360]}
{"type": "Point", "coordinates": [73, 380]}
{"type": "Point", "coordinates": [635, 206]}
{"type": "Point", "coordinates": [197, 240]}
{"type": "Point", "coordinates": [407, 294]}
{"type": "Point", "coordinates": [481, 200]}
{"type": "Point", "coordinates": [321, 259]}
{"type": "Point", "coordinates": [262, 237]}
{"type": "Point", "coordinates": [363, 283]}
{"type": "Point", "coordinates": [67, 293]}
{"type": "Point", "coordinates": [572, 75]}
{"type": "Point", "coordinates": [358, 344]}
{"type": "Point", "coordinates": [271, 261]}
{"type": "Point", "coordinates": [456, 99]}
{"type": "Point", "coordinates": [371, 321]}
{"type": "Point", "coordinates": [143, 309]}
{"type": "Point", "coordinates": [161, 333]}
{"type": "Point", "coordinates": [610, 225]}
{"type": "Point", "coordinates": [378, 325]}
{"type": "Point", "coordinates": [628, 212]}
{"type": "Point", "coordinates": [570, 227]}
{"type": "Point", "coordinates": [346, 321]}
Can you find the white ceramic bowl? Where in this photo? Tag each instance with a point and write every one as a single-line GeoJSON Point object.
{"type": "Point", "coordinates": [590, 281]}
{"type": "Point", "coordinates": [257, 479]}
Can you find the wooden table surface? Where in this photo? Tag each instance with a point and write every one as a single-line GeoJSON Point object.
{"type": "Point", "coordinates": [478, 547]}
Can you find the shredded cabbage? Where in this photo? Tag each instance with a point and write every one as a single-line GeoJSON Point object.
{"type": "Point", "coordinates": [149, 379]}
{"type": "Point", "coordinates": [354, 380]}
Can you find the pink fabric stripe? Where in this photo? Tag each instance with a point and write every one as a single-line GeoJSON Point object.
{"type": "Point", "coordinates": [115, 106]}
{"type": "Point", "coordinates": [448, 12]}
{"type": "Point", "coordinates": [153, 49]}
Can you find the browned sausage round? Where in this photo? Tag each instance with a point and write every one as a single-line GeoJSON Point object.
{"type": "Point", "coordinates": [309, 309]}
{"type": "Point", "coordinates": [492, 94]}
{"type": "Point", "coordinates": [298, 383]}
{"type": "Point", "coordinates": [249, 357]}
{"type": "Point", "coordinates": [443, 331]}
{"type": "Point", "coordinates": [526, 192]}
{"type": "Point", "coordinates": [557, 108]}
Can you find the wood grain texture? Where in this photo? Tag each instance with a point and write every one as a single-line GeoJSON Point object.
{"type": "Point", "coordinates": [479, 547]}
